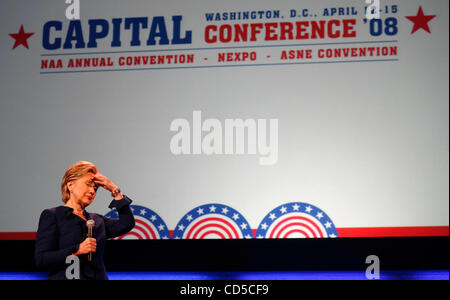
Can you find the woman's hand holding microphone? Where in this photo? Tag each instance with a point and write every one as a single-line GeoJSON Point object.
{"type": "Point", "coordinates": [87, 246]}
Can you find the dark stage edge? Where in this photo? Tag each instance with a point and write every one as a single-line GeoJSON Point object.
{"type": "Point", "coordinates": [294, 255]}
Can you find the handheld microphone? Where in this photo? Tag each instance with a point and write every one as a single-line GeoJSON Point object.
{"type": "Point", "coordinates": [90, 225]}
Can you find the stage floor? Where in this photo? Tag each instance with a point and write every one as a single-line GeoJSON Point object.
{"type": "Point", "coordinates": [300, 275]}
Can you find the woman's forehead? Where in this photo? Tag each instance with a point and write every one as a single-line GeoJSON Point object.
{"type": "Point", "coordinates": [88, 176]}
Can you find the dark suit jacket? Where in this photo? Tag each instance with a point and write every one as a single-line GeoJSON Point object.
{"type": "Point", "coordinates": [61, 232]}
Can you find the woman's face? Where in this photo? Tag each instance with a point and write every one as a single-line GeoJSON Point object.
{"type": "Point", "coordinates": [83, 190]}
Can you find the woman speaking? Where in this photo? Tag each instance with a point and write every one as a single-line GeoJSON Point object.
{"type": "Point", "coordinates": [63, 230]}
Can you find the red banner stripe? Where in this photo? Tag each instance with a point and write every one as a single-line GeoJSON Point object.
{"type": "Point", "coordinates": [342, 232]}
{"type": "Point", "coordinates": [393, 231]}
{"type": "Point", "coordinates": [17, 236]}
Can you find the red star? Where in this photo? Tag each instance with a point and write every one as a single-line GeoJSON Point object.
{"type": "Point", "coordinates": [421, 21]}
{"type": "Point", "coordinates": [21, 38]}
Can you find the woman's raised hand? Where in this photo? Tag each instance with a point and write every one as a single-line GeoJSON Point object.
{"type": "Point", "coordinates": [104, 181]}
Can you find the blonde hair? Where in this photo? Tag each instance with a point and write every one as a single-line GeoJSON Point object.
{"type": "Point", "coordinates": [74, 172]}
